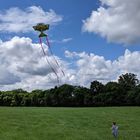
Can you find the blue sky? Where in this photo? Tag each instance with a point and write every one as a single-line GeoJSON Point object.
{"type": "Point", "coordinates": [91, 30]}
{"type": "Point", "coordinates": [73, 13]}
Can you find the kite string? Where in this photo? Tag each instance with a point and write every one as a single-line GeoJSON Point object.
{"type": "Point", "coordinates": [48, 60]}
{"type": "Point", "coordinates": [49, 46]}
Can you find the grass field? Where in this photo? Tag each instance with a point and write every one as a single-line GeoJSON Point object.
{"type": "Point", "coordinates": [18, 123]}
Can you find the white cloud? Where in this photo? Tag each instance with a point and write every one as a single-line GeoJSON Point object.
{"type": "Point", "coordinates": [18, 20]}
{"type": "Point", "coordinates": [91, 67]}
{"type": "Point", "coordinates": [23, 65]}
{"type": "Point", "coordinates": [130, 62]}
{"type": "Point", "coordinates": [66, 40]}
{"type": "Point", "coordinates": [70, 54]}
{"type": "Point", "coordinates": [116, 20]}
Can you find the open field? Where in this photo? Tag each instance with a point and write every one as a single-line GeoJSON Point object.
{"type": "Point", "coordinates": [36, 123]}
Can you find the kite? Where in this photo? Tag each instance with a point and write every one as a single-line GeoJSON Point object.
{"type": "Point", "coordinates": [41, 27]}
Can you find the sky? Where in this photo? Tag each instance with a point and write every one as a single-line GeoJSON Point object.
{"type": "Point", "coordinates": [90, 40]}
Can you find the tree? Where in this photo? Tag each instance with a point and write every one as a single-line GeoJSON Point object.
{"type": "Point", "coordinates": [128, 81]}
{"type": "Point", "coordinates": [96, 87]}
{"type": "Point", "coordinates": [64, 93]}
{"type": "Point", "coordinates": [79, 95]}
{"type": "Point", "coordinates": [111, 86]}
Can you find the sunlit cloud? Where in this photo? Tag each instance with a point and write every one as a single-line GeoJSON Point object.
{"type": "Point", "coordinates": [19, 20]}
{"type": "Point", "coordinates": [116, 20]}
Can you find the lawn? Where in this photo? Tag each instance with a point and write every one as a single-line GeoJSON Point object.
{"type": "Point", "coordinates": [38, 123]}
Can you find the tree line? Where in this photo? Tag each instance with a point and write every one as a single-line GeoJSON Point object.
{"type": "Point", "coordinates": [124, 92]}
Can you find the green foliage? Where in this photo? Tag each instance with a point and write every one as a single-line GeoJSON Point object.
{"type": "Point", "coordinates": [122, 93]}
{"type": "Point", "coordinates": [96, 87]}
{"type": "Point", "coordinates": [111, 86]}
{"type": "Point", "coordinates": [128, 81]}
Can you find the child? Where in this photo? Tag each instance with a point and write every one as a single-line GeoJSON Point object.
{"type": "Point", "coordinates": [115, 130]}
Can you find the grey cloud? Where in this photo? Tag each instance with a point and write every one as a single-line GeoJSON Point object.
{"type": "Point", "coordinates": [32, 69]}
{"type": "Point", "coordinates": [7, 78]}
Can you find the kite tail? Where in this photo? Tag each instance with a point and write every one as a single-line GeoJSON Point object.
{"type": "Point", "coordinates": [48, 60]}
{"type": "Point", "coordinates": [48, 43]}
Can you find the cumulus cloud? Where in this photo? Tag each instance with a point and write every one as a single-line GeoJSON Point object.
{"type": "Point", "coordinates": [116, 20]}
{"type": "Point", "coordinates": [91, 67]}
{"type": "Point", "coordinates": [7, 78]}
{"type": "Point", "coordinates": [18, 20]}
{"type": "Point", "coordinates": [22, 55]}
{"type": "Point", "coordinates": [129, 62]}
{"type": "Point", "coordinates": [23, 65]}
{"type": "Point", "coordinates": [24, 62]}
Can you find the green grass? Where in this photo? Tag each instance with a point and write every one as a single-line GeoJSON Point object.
{"type": "Point", "coordinates": [68, 123]}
